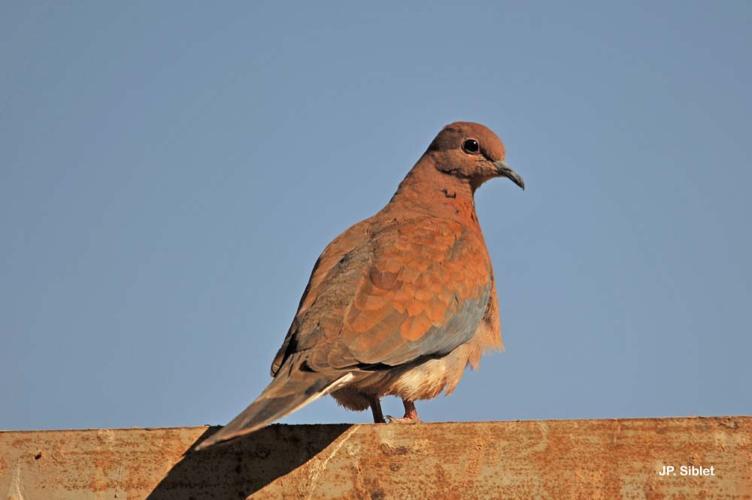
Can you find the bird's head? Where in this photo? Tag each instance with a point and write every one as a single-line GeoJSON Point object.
{"type": "Point", "coordinates": [471, 151]}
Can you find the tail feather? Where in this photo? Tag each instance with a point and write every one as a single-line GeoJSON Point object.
{"type": "Point", "coordinates": [287, 393]}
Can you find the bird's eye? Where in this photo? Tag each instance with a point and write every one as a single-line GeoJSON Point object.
{"type": "Point", "coordinates": [471, 146]}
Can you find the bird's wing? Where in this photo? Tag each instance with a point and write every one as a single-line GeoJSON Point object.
{"type": "Point", "coordinates": [391, 293]}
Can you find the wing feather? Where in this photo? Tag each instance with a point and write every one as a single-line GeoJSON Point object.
{"type": "Point", "coordinates": [390, 294]}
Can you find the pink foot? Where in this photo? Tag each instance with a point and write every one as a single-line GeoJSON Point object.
{"type": "Point", "coordinates": [411, 415]}
{"type": "Point", "coordinates": [404, 420]}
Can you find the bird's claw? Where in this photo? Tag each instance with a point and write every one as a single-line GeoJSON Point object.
{"type": "Point", "coordinates": [404, 420]}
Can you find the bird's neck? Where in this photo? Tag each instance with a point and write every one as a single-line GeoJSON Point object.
{"type": "Point", "coordinates": [426, 190]}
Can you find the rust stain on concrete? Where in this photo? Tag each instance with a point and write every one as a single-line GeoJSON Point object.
{"type": "Point", "coordinates": [618, 458]}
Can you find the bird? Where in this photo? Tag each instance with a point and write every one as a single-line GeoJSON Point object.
{"type": "Point", "coordinates": [400, 303]}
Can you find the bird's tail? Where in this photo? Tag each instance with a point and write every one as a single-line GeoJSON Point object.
{"type": "Point", "coordinates": [289, 391]}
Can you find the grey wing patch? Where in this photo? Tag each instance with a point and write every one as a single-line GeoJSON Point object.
{"type": "Point", "coordinates": [441, 340]}
{"type": "Point", "coordinates": [305, 332]}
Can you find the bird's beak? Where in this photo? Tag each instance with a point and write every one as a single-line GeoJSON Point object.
{"type": "Point", "coordinates": [506, 171]}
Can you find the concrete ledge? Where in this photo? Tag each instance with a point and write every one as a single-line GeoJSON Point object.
{"type": "Point", "coordinates": [520, 459]}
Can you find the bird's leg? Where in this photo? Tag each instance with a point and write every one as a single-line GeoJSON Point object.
{"type": "Point", "coordinates": [411, 414]}
{"type": "Point", "coordinates": [378, 417]}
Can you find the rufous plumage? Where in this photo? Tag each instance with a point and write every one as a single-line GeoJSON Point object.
{"type": "Point", "coordinates": [400, 303]}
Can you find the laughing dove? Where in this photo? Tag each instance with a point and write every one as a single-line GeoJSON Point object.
{"type": "Point", "coordinates": [400, 303]}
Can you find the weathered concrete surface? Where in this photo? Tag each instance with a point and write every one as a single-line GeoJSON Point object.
{"type": "Point", "coordinates": [548, 459]}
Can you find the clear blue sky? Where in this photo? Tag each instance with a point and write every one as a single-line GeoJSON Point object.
{"type": "Point", "coordinates": [169, 172]}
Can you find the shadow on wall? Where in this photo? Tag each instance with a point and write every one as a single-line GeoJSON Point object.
{"type": "Point", "coordinates": [244, 466]}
